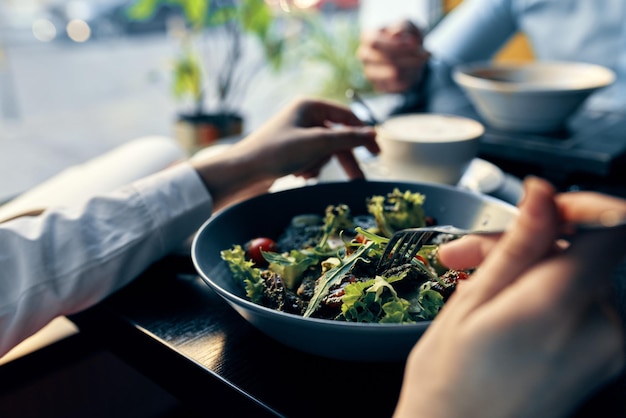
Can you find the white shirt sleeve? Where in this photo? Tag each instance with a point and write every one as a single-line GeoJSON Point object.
{"type": "Point", "coordinates": [70, 258]}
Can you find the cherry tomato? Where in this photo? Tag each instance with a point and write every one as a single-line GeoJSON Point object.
{"type": "Point", "coordinates": [360, 239]}
{"type": "Point", "coordinates": [253, 249]}
{"type": "Point", "coordinates": [422, 259]}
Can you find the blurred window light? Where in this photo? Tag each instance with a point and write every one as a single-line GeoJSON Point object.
{"type": "Point", "coordinates": [306, 4]}
{"type": "Point", "coordinates": [44, 30]}
{"type": "Point", "coordinates": [79, 9]}
{"type": "Point", "coordinates": [283, 5]}
{"type": "Point", "coordinates": [78, 30]}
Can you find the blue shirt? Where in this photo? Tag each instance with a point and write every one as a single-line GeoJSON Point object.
{"type": "Point", "coordinates": [566, 30]}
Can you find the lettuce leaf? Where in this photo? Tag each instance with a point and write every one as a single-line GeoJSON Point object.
{"type": "Point", "coordinates": [244, 271]}
{"type": "Point", "coordinates": [375, 300]}
{"type": "Point", "coordinates": [431, 302]}
{"type": "Point", "coordinates": [397, 210]}
{"type": "Point", "coordinates": [291, 266]}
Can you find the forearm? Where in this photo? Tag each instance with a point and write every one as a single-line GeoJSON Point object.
{"type": "Point", "coordinates": [228, 175]}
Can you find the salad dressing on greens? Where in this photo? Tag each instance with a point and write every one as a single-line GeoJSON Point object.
{"type": "Point", "coordinates": [324, 265]}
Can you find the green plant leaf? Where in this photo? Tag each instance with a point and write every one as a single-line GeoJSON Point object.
{"type": "Point", "coordinates": [143, 9]}
{"type": "Point", "coordinates": [335, 47]}
{"type": "Point", "coordinates": [222, 15]}
{"type": "Point", "coordinates": [188, 76]}
{"type": "Point", "coordinates": [256, 17]}
{"type": "Point", "coordinates": [195, 11]}
{"type": "Point", "coordinates": [222, 23]}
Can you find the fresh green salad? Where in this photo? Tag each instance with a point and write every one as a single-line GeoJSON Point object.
{"type": "Point", "coordinates": [325, 265]}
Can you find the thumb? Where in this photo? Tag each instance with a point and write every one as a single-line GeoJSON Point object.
{"type": "Point", "coordinates": [348, 137]}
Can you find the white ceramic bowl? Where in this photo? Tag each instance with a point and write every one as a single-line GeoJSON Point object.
{"type": "Point", "coordinates": [268, 215]}
{"type": "Point", "coordinates": [427, 147]}
{"type": "Point", "coordinates": [530, 97]}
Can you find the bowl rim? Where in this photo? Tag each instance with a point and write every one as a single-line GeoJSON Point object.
{"type": "Point", "coordinates": [462, 75]}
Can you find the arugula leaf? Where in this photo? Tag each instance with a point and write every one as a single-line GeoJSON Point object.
{"type": "Point", "coordinates": [334, 276]}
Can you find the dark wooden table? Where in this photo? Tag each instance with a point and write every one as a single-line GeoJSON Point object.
{"type": "Point", "coordinates": [175, 330]}
{"type": "Point", "coordinates": [171, 326]}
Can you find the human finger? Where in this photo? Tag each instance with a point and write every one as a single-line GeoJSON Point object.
{"type": "Point", "coordinates": [591, 207]}
{"type": "Point", "coordinates": [342, 143]}
{"type": "Point", "coordinates": [318, 113]}
{"type": "Point", "coordinates": [396, 75]}
{"type": "Point", "coordinates": [348, 137]}
{"type": "Point", "coordinates": [314, 170]}
{"type": "Point", "coordinates": [530, 239]}
{"type": "Point", "coordinates": [384, 79]}
{"type": "Point", "coordinates": [573, 206]}
{"type": "Point", "coordinates": [392, 50]}
{"type": "Point", "coordinates": [346, 159]}
{"type": "Point", "coordinates": [314, 146]}
{"type": "Point", "coordinates": [401, 33]}
{"type": "Point", "coordinates": [350, 165]}
{"type": "Point", "coordinates": [467, 252]}
{"type": "Point", "coordinates": [392, 79]}
{"type": "Point", "coordinates": [369, 55]}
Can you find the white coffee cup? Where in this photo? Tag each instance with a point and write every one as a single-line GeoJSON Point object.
{"type": "Point", "coordinates": [425, 147]}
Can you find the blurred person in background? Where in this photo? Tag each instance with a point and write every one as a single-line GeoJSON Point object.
{"type": "Point", "coordinates": [399, 58]}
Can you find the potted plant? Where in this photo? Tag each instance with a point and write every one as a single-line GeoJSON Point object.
{"type": "Point", "coordinates": [219, 55]}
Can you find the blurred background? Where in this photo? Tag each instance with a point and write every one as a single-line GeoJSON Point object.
{"type": "Point", "coordinates": [80, 77]}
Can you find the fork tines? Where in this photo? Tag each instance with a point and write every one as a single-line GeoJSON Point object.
{"type": "Point", "coordinates": [403, 247]}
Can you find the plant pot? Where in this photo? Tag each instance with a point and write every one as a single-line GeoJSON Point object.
{"type": "Point", "coordinates": [196, 131]}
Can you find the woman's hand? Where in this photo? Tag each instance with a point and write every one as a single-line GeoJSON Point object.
{"type": "Point", "coordinates": [533, 332]}
{"type": "Point", "coordinates": [393, 57]}
{"type": "Point", "coordinates": [299, 140]}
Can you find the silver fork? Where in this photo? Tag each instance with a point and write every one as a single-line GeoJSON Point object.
{"type": "Point", "coordinates": [406, 243]}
